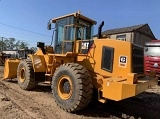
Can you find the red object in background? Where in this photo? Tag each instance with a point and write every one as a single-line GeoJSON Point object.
{"type": "Point", "coordinates": [152, 63]}
{"type": "Point", "coordinates": [152, 57]}
{"type": "Point", "coordinates": [155, 40]}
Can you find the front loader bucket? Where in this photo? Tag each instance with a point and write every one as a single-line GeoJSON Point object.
{"type": "Point", "coordinates": [10, 68]}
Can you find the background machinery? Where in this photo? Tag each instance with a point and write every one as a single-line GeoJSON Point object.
{"type": "Point", "coordinates": [77, 64]}
{"type": "Point", "coordinates": [20, 54]}
{"type": "Point", "coordinates": [23, 53]}
{"type": "Point", "coordinates": [3, 56]}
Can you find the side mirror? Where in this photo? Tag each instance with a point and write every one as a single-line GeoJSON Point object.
{"type": "Point", "coordinates": [49, 26]}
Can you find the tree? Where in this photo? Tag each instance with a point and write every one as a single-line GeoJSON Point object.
{"type": "Point", "coordinates": [34, 49]}
{"type": "Point", "coordinates": [23, 45]}
{"type": "Point", "coordinates": [9, 44]}
{"type": "Point", "coordinates": [13, 44]}
{"type": "Point", "coordinates": [2, 44]}
{"type": "Point", "coordinates": [17, 44]}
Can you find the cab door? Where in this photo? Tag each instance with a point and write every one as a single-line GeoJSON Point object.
{"type": "Point", "coordinates": [64, 40]}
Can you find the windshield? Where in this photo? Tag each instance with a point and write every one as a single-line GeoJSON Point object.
{"type": "Point", "coordinates": [84, 29]}
{"type": "Point", "coordinates": [152, 51]}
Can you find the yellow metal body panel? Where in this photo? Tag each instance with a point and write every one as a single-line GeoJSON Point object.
{"type": "Point", "coordinates": [92, 61]}
{"type": "Point", "coordinates": [39, 64]}
{"type": "Point", "coordinates": [47, 62]}
{"type": "Point", "coordinates": [10, 69]}
{"type": "Point", "coordinates": [120, 90]}
{"type": "Point", "coordinates": [41, 60]}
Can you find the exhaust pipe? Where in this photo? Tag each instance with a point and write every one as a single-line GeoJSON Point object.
{"type": "Point", "coordinates": [100, 29]}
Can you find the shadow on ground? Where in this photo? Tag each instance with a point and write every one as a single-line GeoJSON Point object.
{"type": "Point", "coordinates": [42, 88]}
{"type": "Point", "coordinates": [144, 106]}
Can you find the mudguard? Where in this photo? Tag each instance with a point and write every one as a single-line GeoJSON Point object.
{"type": "Point", "coordinates": [39, 64]}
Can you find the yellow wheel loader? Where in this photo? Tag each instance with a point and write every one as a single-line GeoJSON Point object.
{"type": "Point", "coordinates": [76, 64]}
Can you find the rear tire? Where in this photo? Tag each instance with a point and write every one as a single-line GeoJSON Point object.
{"type": "Point", "coordinates": [25, 75]}
{"type": "Point", "coordinates": [72, 87]}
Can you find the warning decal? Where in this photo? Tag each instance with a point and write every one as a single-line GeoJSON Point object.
{"type": "Point", "coordinates": [123, 61]}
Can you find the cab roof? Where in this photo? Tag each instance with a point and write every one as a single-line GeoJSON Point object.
{"type": "Point", "coordinates": [76, 14]}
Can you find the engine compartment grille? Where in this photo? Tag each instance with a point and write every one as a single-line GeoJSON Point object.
{"type": "Point", "coordinates": [137, 59]}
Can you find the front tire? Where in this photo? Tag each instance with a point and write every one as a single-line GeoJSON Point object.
{"type": "Point", "coordinates": [72, 87]}
{"type": "Point", "coordinates": [25, 75]}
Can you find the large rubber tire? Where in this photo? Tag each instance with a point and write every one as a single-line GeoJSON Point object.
{"type": "Point", "coordinates": [25, 75]}
{"type": "Point", "coordinates": [78, 79]}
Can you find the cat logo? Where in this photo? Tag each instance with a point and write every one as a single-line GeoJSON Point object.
{"type": "Point", "coordinates": [85, 45]}
{"type": "Point", "coordinates": [123, 61]}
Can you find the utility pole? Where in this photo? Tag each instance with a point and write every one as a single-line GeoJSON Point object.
{"type": "Point", "coordinates": [2, 45]}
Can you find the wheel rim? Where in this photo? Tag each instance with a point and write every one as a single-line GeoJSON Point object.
{"type": "Point", "coordinates": [22, 75]}
{"type": "Point", "coordinates": [64, 87]}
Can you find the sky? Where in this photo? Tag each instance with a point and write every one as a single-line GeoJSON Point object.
{"type": "Point", "coordinates": [26, 20]}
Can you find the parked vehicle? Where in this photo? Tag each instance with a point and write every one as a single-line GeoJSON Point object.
{"type": "Point", "coordinates": [152, 57]}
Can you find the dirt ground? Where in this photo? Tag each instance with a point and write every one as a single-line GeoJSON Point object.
{"type": "Point", "coordinates": [16, 103]}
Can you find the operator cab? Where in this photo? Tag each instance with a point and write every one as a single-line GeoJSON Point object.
{"type": "Point", "coordinates": [73, 33]}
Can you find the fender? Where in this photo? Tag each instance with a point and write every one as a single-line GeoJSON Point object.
{"type": "Point", "coordinates": [39, 67]}
{"type": "Point", "coordinates": [38, 62]}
